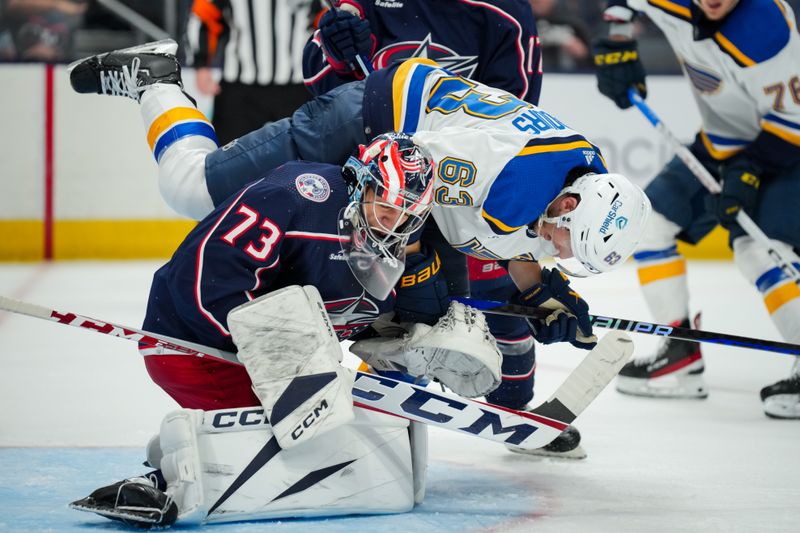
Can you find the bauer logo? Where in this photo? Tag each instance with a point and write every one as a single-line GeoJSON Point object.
{"type": "Point", "coordinates": [313, 186]}
{"type": "Point", "coordinates": [610, 216]}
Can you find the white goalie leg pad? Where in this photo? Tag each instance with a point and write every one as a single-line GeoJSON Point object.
{"type": "Point", "coordinates": [781, 295]}
{"type": "Point", "coordinates": [228, 466]}
{"type": "Point", "coordinates": [291, 353]}
{"type": "Point", "coordinates": [459, 351]}
{"type": "Point", "coordinates": [181, 165]}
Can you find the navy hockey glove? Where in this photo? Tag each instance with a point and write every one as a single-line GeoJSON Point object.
{"type": "Point", "coordinates": [740, 183]}
{"type": "Point", "coordinates": [421, 292]}
{"type": "Point", "coordinates": [569, 321]}
{"type": "Point", "coordinates": [345, 36]}
{"type": "Point", "coordinates": [618, 69]}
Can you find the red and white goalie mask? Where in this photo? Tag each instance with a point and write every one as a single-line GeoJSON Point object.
{"type": "Point", "coordinates": [390, 185]}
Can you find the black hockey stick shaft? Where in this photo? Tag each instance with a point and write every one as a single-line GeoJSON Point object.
{"type": "Point", "coordinates": [636, 326]}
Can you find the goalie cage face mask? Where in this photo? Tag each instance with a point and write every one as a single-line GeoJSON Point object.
{"type": "Point", "coordinates": [390, 186]}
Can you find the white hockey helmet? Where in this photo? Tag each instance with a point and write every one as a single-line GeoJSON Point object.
{"type": "Point", "coordinates": [606, 225]}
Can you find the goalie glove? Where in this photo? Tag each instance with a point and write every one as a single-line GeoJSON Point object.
{"type": "Point", "coordinates": [459, 351]}
{"type": "Point", "coordinates": [569, 321]}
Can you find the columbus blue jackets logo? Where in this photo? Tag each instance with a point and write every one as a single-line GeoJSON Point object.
{"type": "Point", "coordinates": [426, 48]}
{"type": "Point", "coordinates": [313, 186]}
{"type": "Point", "coordinates": [351, 315]}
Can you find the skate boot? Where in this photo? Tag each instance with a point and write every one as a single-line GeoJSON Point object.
{"type": "Point", "coordinates": [128, 72]}
{"type": "Point", "coordinates": [674, 371]}
{"type": "Point", "coordinates": [566, 446]}
{"type": "Point", "coordinates": [138, 502]}
{"type": "Point", "coordinates": [782, 399]}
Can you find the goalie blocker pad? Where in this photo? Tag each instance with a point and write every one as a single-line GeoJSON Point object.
{"type": "Point", "coordinates": [226, 465]}
{"type": "Point", "coordinates": [291, 353]}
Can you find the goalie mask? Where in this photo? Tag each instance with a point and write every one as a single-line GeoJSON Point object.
{"type": "Point", "coordinates": [390, 185]}
{"type": "Point", "coordinates": [606, 225]}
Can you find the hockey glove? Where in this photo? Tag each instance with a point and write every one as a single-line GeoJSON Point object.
{"type": "Point", "coordinates": [422, 291]}
{"type": "Point", "coordinates": [345, 36]}
{"type": "Point", "coordinates": [569, 321]}
{"type": "Point", "coordinates": [618, 69]}
{"type": "Point", "coordinates": [740, 183]}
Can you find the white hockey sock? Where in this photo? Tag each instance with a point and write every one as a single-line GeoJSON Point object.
{"type": "Point", "coordinates": [781, 295]}
{"type": "Point", "coordinates": [662, 275]}
{"type": "Point", "coordinates": [179, 137]}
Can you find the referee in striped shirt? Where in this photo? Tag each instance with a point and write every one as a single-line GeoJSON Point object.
{"type": "Point", "coordinates": [259, 46]}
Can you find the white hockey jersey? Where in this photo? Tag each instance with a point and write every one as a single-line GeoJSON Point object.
{"type": "Point", "coordinates": [744, 72]}
{"type": "Point", "coordinates": [499, 160]}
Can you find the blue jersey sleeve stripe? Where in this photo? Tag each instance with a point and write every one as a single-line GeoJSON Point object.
{"type": "Point", "coordinates": [779, 120]}
{"type": "Point", "coordinates": [725, 141]}
{"type": "Point", "coordinates": [180, 131]}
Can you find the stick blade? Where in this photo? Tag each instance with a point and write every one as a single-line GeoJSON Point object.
{"type": "Point", "coordinates": [589, 378]}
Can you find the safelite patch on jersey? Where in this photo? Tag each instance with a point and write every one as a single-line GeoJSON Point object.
{"type": "Point", "coordinates": [313, 186]}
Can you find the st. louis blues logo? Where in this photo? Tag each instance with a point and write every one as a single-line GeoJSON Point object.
{"type": "Point", "coordinates": [351, 315]}
{"type": "Point", "coordinates": [426, 48]}
{"type": "Point", "coordinates": [313, 186]}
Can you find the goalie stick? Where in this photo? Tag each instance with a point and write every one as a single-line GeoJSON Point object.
{"type": "Point", "coordinates": [449, 411]}
{"type": "Point", "coordinates": [704, 176]}
{"type": "Point", "coordinates": [635, 326]}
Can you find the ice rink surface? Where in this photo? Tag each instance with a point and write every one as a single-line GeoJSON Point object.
{"type": "Point", "coordinates": [78, 409]}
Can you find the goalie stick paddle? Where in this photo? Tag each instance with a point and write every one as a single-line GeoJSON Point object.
{"type": "Point", "coordinates": [635, 326]}
{"type": "Point", "coordinates": [522, 429]}
{"type": "Point", "coordinates": [788, 265]}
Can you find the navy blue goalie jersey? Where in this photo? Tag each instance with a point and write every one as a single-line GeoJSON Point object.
{"type": "Point", "coordinates": [278, 231]}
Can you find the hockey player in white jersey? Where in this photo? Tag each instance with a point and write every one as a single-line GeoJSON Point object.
{"type": "Point", "coordinates": [513, 181]}
{"type": "Point", "coordinates": [742, 60]}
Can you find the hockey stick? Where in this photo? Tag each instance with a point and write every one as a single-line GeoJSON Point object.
{"type": "Point", "coordinates": [701, 173]}
{"type": "Point", "coordinates": [448, 411]}
{"type": "Point", "coordinates": [635, 326]}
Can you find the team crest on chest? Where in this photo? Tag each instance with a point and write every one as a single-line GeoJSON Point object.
{"type": "Point", "coordinates": [313, 186]}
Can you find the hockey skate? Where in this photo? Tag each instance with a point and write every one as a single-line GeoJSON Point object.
{"type": "Point", "coordinates": [782, 399]}
{"type": "Point", "coordinates": [128, 72]}
{"type": "Point", "coordinates": [674, 371]}
{"type": "Point", "coordinates": [566, 446]}
{"type": "Point", "coordinates": [136, 502]}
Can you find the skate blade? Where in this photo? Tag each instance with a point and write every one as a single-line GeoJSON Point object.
{"type": "Point", "coordinates": [112, 514]}
{"type": "Point", "coordinates": [674, 387]}
{"type": "Point", "coordinates": [783, 406]}
{"type": "Point", "coordinates": [574, 454]}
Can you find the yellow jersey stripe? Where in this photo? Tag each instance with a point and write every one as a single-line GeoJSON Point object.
{"type": "Point", "coordinates": [170, 117]}
{"type": "Point", "coordinates": [399, 83]}
{"type": "Point", "coordinates": [528, 150]}
{"type": "Point", "coordinates": [777, 131]}
{"type": "Point", "coordinates": [732, 50]}
{"type": "Point", "coordinates": [783, 294]}
{"type": "Point", "coordinates": [498, 223]}
{"type": "Point", "coordinates": [672, 8]}
{"type": "Point", "coordinates": [649, 274]}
